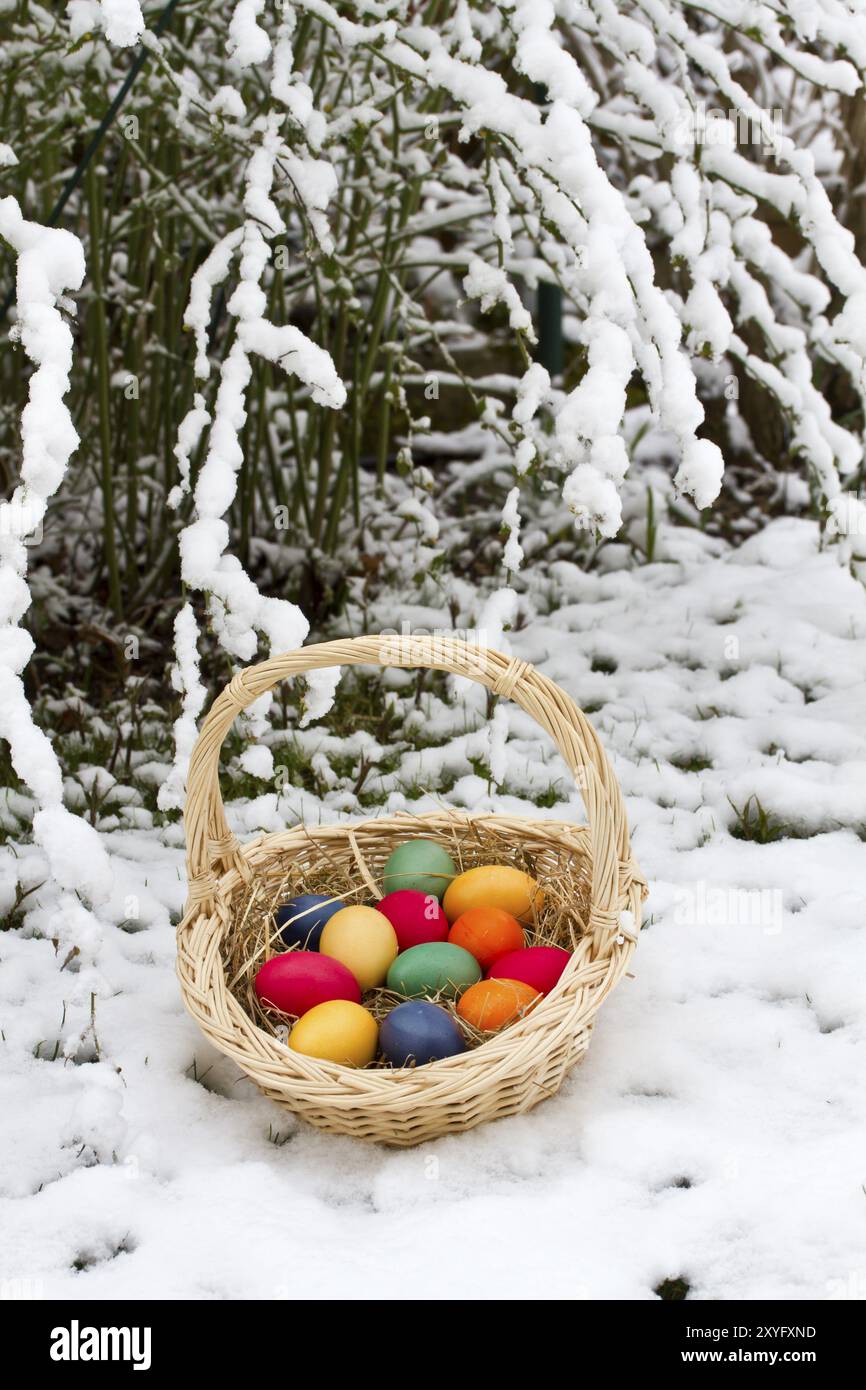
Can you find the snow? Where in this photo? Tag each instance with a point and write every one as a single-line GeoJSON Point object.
{"type": "Point", "coordinates": [496, 617]}
{"type": "Point", "coordinates": [121, 20]}
{"type": "Point", "coordinates": [189, 433]}
{"type": "Point", "coordinates": [211, 273]}
{"type": "Point", "coordinates": [258, 761]}
{"type": "Point", "coordinates": [532, 390]}
{"type": "Point", "coordinates": [543, 59]}
{"type": "Point", "coordinates": [49, 261]}
{"type": "Point", "coordinates": [76, 860]}
{"type": "Point", "coordinates": [314, 183]}
{"type": "Point", "coordinates": [186, 679]}
{"type": "Point", "coordinates": [319, 698]}
{"type": "Point", "coordinates": [714, 1129]}
{"type": "Point", "coordinates": [490, 286]}
{"type": "Point", "coordinates": [593, 499]}
{"type": "Point", "coordinates": [700, 473]}
{"type": "Point", "coordinates": [293, 350]}
{"type": "Point", "coordinates": [512, 556]}
{"type": "Point", "coordinates": [238, 611]}
{"type": "Point", "coordinates": [248, 42]}
{"type": "Point", "coordinates": [847, 517]}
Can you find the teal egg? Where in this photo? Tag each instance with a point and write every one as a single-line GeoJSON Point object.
{"type": "Point", "coordinates": [421, 865]}
{"type": "Point", "coordinates": [437, 967]}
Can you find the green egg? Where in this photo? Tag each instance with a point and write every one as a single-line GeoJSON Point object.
{"type": "Point", "coordinates": [434, 968]}
{"type": "Point", "coordinates": [421, 865]}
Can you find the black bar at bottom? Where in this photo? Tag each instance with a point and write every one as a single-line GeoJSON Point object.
{"type": "Point", "coordinates": [260, 1339]}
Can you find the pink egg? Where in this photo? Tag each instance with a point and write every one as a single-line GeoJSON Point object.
{"type": "Point", "coordinates": [299, 980]}
{"type": "Point", "coordinates": [538, 966]}
{"type": "Point", "coordinates": [416, 917]}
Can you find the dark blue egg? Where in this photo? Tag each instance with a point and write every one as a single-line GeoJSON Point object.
{"type": "Point", "coordinates": [301, 920]}
{"type": "Point", "coordinates": [416, 1033]}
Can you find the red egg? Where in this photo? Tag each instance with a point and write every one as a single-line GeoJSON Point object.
{"type": "Point", "coordinates": [538, 966]}
{"type": "Point", "coordinates": [299, 980]}
{"type": "Point", "coordinates": [417, 918]}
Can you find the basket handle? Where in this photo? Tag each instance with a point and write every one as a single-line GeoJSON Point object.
{"type": "Point", "coordinates": [211, 846]}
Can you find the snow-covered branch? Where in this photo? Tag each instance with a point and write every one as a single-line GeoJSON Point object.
{"type": "Point", "coordinates": [50, 261]}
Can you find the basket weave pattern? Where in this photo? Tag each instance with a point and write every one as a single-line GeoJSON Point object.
{"type": "Point", "coordinates": [518, 1066]}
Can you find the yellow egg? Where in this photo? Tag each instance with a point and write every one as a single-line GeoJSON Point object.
{"type": "Point", "coordinates": [364, 940]}
{"type": "Point", "coordinates": [493, 885]}
{"type": "Point", "coordinates": [337, 1031]}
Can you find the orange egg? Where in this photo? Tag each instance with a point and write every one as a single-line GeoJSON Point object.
{"type": "Point", "coordinates": [494, 885]}
{"type": "Point", "coordinates": [487, 933]}
{"type": "Point", "coordinates": [491, 1004]}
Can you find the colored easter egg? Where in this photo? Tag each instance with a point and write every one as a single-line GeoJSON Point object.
{"type": "Point", "coordinates": [494, 885]}
{"type": "Point", "coordinates": [491, 1004]}
{"type": "Point", "coordinates": [301, 920]}
{"type": "Point", "coordinates": [487, 933]}
{"type": "Point", "coordinates": [434, 968]}
{"type": "Point", "coordinates": [421, 865]}
{"type": "Point", "coordinates": [364, 940]}
{"type": "Point", "coordinates": [337, 1031]}
{"type": "Point", "coordinates": [538, 966]}
{"type": "Point", "coordinates": [415, 917]}
{"type": "Point", "coordinates": [416, 1033]}
{"type": "Point", "coordinates": [299, 980]}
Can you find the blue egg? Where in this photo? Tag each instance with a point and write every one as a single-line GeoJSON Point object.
{"type": "Point", "coordinates": [301, 920]}
{"type": "Point", "coordinates": [416, 1033]}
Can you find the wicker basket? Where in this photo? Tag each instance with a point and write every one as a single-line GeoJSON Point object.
{"type": "Point", "coordinates": [591, 865]}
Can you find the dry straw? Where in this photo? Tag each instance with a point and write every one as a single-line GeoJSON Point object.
{"type": "Point", "coordinates": [593, 888]}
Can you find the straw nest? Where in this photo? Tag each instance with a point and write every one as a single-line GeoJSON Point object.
{"type": "Point", "coordinates": [352, 874]}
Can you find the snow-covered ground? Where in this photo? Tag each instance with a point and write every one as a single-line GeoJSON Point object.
{"type": "Point", "coordinates": [714, 1132]}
